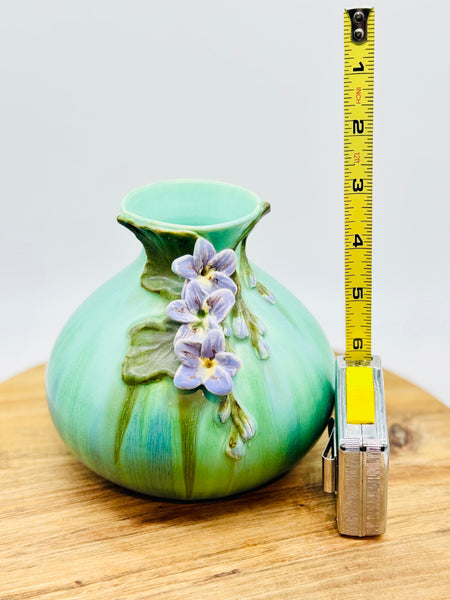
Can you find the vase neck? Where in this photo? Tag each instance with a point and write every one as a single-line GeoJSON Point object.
{"type": "Point", "coordinates": [168, 219]}
{"type": "Point", "coordinates": [221, 213]}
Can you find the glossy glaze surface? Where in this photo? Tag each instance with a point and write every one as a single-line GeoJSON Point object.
{"type": "Point", "coordinates": [160, 440]}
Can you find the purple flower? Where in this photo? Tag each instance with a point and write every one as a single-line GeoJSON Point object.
{"type": "Point", "coordinates": [211, 269]}
{"type": "Point", "coordinates": [206, 363]}
{"type": "Point", "coordinates": [199, 309]}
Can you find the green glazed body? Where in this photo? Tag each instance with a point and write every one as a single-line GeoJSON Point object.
{"type": "Point", "coordinates": [163, 441]}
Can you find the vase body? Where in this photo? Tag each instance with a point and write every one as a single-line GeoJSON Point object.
{"type": "Point", "coordinates": [131, 424]}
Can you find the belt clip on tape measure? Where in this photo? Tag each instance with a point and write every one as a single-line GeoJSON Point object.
{"type": "Point", "coordinates": [355, 460]}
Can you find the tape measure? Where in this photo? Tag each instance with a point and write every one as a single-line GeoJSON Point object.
{"type": "Point", "coordinates": [355, 459]}
{"type": "Point", "coordinates": [359, 46]}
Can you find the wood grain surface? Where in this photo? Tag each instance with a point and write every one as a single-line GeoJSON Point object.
{"type": "Point", "coordinates": [67, 533]}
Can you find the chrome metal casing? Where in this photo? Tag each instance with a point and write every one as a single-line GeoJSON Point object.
{"type": "Point", "coordinates": [361, 460]}
{"type": "Point", "coordinates": [362, 457]}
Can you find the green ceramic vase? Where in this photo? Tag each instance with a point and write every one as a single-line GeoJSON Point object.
{"type": "Point", "coordinates": [131, 387]}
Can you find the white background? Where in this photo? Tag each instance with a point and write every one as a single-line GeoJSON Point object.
{"type": "Point", "coordinates": [99, 97]}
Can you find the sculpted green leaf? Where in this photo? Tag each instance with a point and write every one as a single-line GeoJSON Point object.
{"type": "Point", "coordinates": [150, 355]}
{"type": "Point", "coordinates": [162, 248]}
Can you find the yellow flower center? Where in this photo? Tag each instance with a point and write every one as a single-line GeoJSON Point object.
{"type": "Point", "coordinates": [207, 368]}
{"type": "Point", "coordinates": [206, 276]}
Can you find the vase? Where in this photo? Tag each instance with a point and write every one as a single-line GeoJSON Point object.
{"type": "Point", "coordinates": [191, 374]}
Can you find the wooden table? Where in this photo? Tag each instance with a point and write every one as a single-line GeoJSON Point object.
{"type": "Point", "coordinates": [67, 533]}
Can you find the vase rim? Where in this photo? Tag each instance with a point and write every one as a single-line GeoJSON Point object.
{"type": "Point", "coordinates": [248, 205]}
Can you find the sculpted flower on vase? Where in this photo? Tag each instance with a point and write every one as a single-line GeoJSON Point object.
{"type": "Point", "coordinates": [212, 270]}
{"type": "Point", "coordinates": [200, 341]}
{"type": "Point", "coordinates": [206, 363]}
{"type": "Point", "coordinates": [199, 308]}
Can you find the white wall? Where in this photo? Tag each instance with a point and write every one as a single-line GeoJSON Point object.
{"type": "Point", "coordinates": [100, 97]}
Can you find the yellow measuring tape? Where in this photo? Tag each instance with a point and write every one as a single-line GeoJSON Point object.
{"type": "Point", "coordinates": [359, 46]}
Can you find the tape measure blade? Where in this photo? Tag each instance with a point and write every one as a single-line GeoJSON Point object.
{"type": "Point", "coordinates": [358, 166]}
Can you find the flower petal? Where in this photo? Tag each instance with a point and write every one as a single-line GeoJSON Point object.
{"type": "Point", "coordinates": [220, 303]}
{"type": "Point", "coordinates": [221, 281]}
{"type": "Point", "coordinates": [195, 296]}
{"type": "Point", "coordinates": [203, 253]}
{"type": "Point", "coordinates": [262, 349]}
{"type": "Point", "coordinates": [244, 425]}
{"type": "Point", "coordinates": [177, 310]}
{"type": "Point", "coordinates": [265, 293]}
{"type": "Point", "coordinates": [184, 266]}
{"type": "Point", "coordinates": [206, 283]}
{"type": "Point", "coordinates": [224, 410]}
{"type": "Point", "coordinates": [183, 289]}
{"type": "Point", "coordinates": [230, 362]}
{"type": "Point", "coordinates": [240, 327]}
{"type": "Point", "coordinates": [189, 332]}
{"type": "Point", "coordinates": [219, 383]}
{"type": "Point", "coordinates": [236, 448]}
{"type": "Point", "coordinates": [261, 327]}
{"type": "Point", "coordinates": [188, 351]}
{"type": "Point", "coordinates": [210, 322]}
{"type": "Point", "coordinates": [224, 261]}
{"type": "Point", "coordinates": [213, 343]}
{"type": "Point", "coordinates": [186, 378]}
{"type": "Point", "coordinates": [249, 277]}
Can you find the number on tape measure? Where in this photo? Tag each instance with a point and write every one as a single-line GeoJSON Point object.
{"type": "Point", "coordinates": [358, 126]}
{"type": "Point", "coordinates": [358, 241]}
{"type": "Point", "coordinates": [358, 159]}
